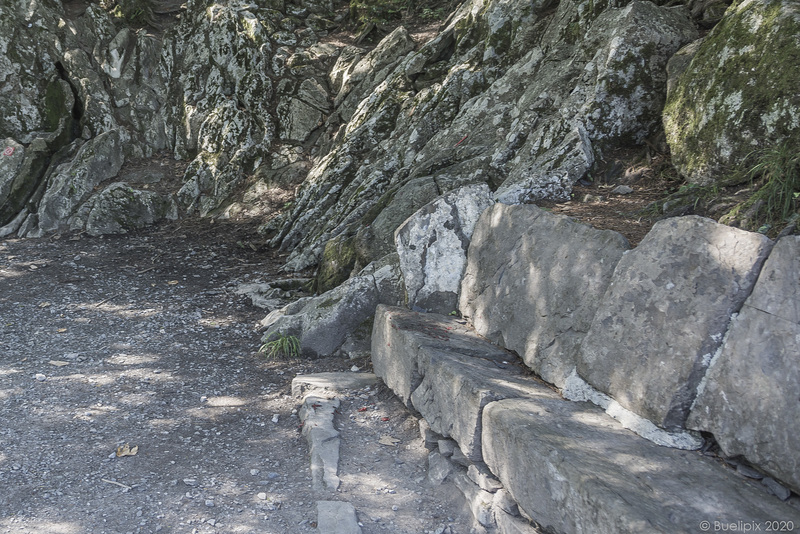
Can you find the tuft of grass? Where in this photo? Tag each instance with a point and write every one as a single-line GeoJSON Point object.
{"type": "Point", "coordinates": [281, 346]}
{"type": "Point", "coordinates": [778, 168]}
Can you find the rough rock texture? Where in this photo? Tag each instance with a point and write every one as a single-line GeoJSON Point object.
{"type": "Point", "coordinates": [514, 94]}
{"type": "Point", "coordinates": [336, 517]}
{"type": "Point", "coordinates": [665, 313]}
{"type": "Point", "coordinates": [323, 323]}
{"type": "Point", "coordinates": [749, 397]}
{"type": "Point", "coordinates": [739, 91]}
{"type": "Point", "coordinates": [432, 245]}
{"type": "Point", "coordinates": [445, 371]}
{"type": "Point", "coordinates": [317, 414]}
{"type": "Point", "coordinates": [120, 208]}
{"type": "Point", "coordinates": [534, 281]}
{"type": "Point", "coordinates": [590, 475]}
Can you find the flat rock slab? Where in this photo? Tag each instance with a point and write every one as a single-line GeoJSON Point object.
{"type": "Point", "coordinates": [573, 469]}
{"type": "Point", "coordinates": [329, 384]}
{"type": "Point", "coordinates": [665, 313]}
{"type": "Point", "coordinates": [446, 372]}
{"type": "Point", "coordinates": [534, 281]}
{"type": "Point", "coordinates": [316, 414]}
{"type": "Point", "coordinates": [334, 517]}
{"type": "Point", "coordinates": [749, 398]}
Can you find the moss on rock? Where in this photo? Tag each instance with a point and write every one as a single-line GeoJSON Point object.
{"type": "Point", "coordinates": [739, 92]}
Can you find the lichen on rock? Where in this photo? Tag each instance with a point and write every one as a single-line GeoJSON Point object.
{"type": "Point", "coordinates": [739, 93]}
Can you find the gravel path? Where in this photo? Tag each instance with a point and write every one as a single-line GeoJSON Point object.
{"type": "Point", "coordinates": [139, 343]}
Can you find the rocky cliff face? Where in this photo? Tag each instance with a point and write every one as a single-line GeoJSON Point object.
{"type": "Point", "coordinates": [522, 96]}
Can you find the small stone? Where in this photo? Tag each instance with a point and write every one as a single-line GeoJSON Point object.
{"type": "Point", "coordinates": [275, 418]}
{"type": "Point", "coordinates": [272, 475]}
{"type": "Point", "coordinates": [395, 508]}
{"type": "Point", "coordinates": [190, 481]}
{"type": "Point", "coordinates": [209, 503]}
{"type": "Point", "coordinates": [254, 472]}
{"type": "Point", "coordinates": [749, 472]}
{"type": "Point", "coordinates": [622, 190]}
{"type": "Point", "coordinates": [211, 522]}
{"type": "Point", "coordinates": [776, 488]}
{"type": "Point", "coordinates": [40, 377]}
{"type": "Point", "coordinates": [262, 496]}
{"type": "Point", "coordinates": [355, 369]}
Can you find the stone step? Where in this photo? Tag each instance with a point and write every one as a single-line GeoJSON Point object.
{"type": "Point", "coordinates": [334, 517]}
{"type": "Point", "coordinates": [569, 466]}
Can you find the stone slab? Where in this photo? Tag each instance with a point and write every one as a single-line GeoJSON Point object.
{"type": "Point", "coordinates": [334, 517]}
{"type": "Point", "coordinates": [749, 397]}
{"type": "Point", "coordinates": [433, 243]}
{"type": "Point", "coordinates": [446, 372]}
{"type": "Point", "coordinates": [534, 281]}
{"type": "Point", "coordinates": [665, 313]}
{"type": "Point", "coordinates": [316, 413]}
{"type": "Point", "coordinates": [329, 384]}
{"type": "Point", "coordinates": [571, 468]}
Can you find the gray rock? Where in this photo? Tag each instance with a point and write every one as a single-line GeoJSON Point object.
{"type": "Point", "coordinates": [748, 398]}
{"type": "Point", "coordinates": [511, 524]}
{"type": "Point", "coordinates": [484, 478]}
{"type": "Point", "coordinates": [120, 208]}
{"type": "Point", "coordinates": [777, 489]}
{"type": "Point", "coordinates": [323, 323]}
{"type": "Point", "coordinates": [591, 475]}
{"type": "Point", "coordinates": [439, 468]}
{"type": "Point", "coordinates": [665, 313]}
{"type": "Point", "coordinates": [713, 118]}
{"type": "Point", "coordinates": [479, 502]}
{"type": "Point", "coordinates": [432, 245]}
{"type": "Point", "coordinates": [98, 160]}
{"type": "Point", "coordinates": [331, 383]}
{"type": "Point", "coordinates": [445, 371]}
{"type": "Point", "coordinates": [317, 414]}
{"type": "Point", "coordinates": [335, 517]}
{"type": "Point", "coordinates": [534, 281]}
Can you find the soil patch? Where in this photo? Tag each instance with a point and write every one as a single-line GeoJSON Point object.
{"type": "Point", "coordinates": [141, 341]}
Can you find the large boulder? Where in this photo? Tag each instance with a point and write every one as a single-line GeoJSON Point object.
{"type": "Point", "coordinates": [517, 95]}
{"type": "Point", "coordinates": [739, 92]}
{"type": "Point", "coordinates": [749, 397]}
{"type": "Point", "coordinates": [432, 245]}
{"type": "Point", "coordinates": [120, 208]}
{"type": "Point", "coordinates": [665, 313]}
{"type": "Point", "coordinates": [534, 281]}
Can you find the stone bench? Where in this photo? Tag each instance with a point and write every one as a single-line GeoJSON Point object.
{"type": "Point", "coordinates": [568, 466]}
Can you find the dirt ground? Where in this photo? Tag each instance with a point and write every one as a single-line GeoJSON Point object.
{"type": "Point", "coordinates": [140, 341]}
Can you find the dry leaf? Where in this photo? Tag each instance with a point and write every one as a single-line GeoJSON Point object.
{"type": "Point", "coordinates": [172, 282]}
{"type": "Point", "coordinates": [58, 363]}
{"type": "Point", "coordinates": [388, 440]}
{"type": "Point", "coordinates": [126, 450]}
{"type": "Point", "coordinates": [62, 330]}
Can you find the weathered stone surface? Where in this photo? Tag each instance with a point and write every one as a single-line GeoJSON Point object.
{"type": "Point", "coordinates": [738, 93]}
{"type": "Point", "coordinates": [336, 517]}
{"type": "Point", "coordinates": [316, 413]}
{"type": "Point", "coordinates": [593, 476]}
{"type": "Point", "coordinates": [323, 323]}
{"type": "Point", "coordinates": [514, 94]}
{"type": "Point", "coordinates": [120, 208]}
{"type": "Point", "coordinates": [445, 371]}
{"type": "Point", "coordinates": [432, 245]}
{"type": "Point", "coordinates": [749, 397]}
{"type": "Point", "coordinates": [479, 501]}
{"type": "Point", "coordinates": [98, 160]}
{"type": "Point", "coordinates": [534, 281]}
{"type": "Point", "coordinates": [331, 383]}
{"type": "Point", "coordinates": [665, 313]}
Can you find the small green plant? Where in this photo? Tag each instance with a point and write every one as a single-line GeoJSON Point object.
{"type": "Point", "coordinates": [432, 14]}
{"type": "Point", "coordinates": [779, 169]}
{"type": "Point", "coordinates": [281, 346]}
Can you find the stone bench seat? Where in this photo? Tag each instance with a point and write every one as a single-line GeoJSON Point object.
{"type": "Point", "coordinates": [569, 466]}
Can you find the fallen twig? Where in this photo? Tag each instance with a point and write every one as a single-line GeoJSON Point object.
{"type": "Point", "coordinates": [116, 483]}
